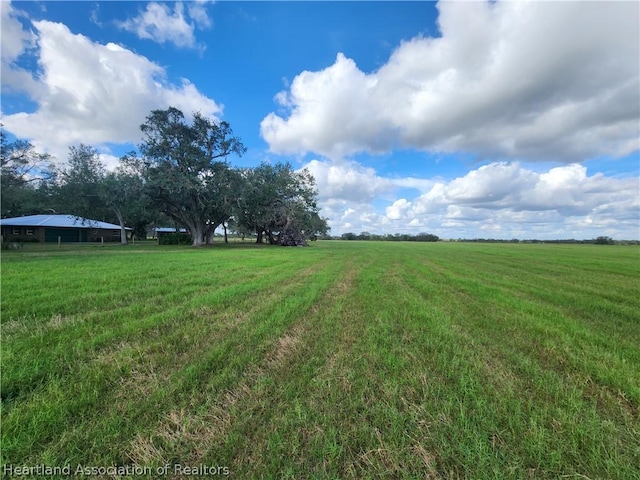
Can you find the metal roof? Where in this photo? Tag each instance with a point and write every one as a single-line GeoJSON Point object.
{"type": "Point", "coordinates": [57, 221]}
{"type": "Point", "coordinates": [169, 230]}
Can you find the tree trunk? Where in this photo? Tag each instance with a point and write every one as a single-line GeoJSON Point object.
{"type": "Point", "coordinates": [259, 236]}
{"type": "Point", "coordinates": [197, 232]}
{"type": "Point", "coordinates": [224, 226]}
{"type": "Point", "coordinates": [208, 235]}
{"type": "Point", "coordinates": [291, 236]}
{"type": "Point", "coordinates": [123, 229]}
{"type": "Point", "coordinates": [197, 236]}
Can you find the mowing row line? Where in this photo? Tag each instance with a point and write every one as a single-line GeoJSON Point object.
{"type": "Point", "coordinates": [345, 360]}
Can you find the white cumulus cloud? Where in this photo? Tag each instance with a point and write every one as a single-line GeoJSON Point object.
{"type": "Point", "coordinates": [347, 181]}
{"type": "Point", "coordinates": [93, 93]}
{"type": "Point", "coordinates": [498, 200]}
{"type": "Point", "coordinates": [504, 197]}
{"type": "Point", "coordinates": [15, 42]}
{"type": "Point", "coordinates": [160, 23]}
{"type": "Point", "coordinates": [519, 80]}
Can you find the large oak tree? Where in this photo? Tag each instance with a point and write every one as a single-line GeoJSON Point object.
{"type": "Point", "coordinates": [185, 169]}
{"type": "Point", "coordinates": [280, 203]}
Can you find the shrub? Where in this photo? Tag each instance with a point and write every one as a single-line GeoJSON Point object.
{"type": "Point", "coordinates": [175, 239]}
{"type": "Point", "coordinates": [603, 241]}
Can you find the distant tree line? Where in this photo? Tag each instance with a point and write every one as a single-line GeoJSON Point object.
{"type": "Point", "coordinates": [179, 177]}
{"type": "Point", "coordinates": [396, 237]}
{"type": "Point", "coordinates": [602, 240]}
{"type": "Point", "coordinates": [429, 237]}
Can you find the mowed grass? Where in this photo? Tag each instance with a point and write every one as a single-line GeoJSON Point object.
{"type": "Point", "coordinates": [342, 360]}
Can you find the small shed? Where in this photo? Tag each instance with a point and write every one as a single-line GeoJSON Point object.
{"type": "Point", "coordinates": [54, 228]}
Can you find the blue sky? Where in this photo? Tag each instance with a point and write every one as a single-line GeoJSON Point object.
{"type": "Point", "coordinates": [484, 119]}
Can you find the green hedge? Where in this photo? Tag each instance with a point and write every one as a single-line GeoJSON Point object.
{"type": "Point", "coordinates": [175, 239]}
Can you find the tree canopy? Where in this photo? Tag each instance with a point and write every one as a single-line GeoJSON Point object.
{"type": "Point", "coordinates": [23, 170]}
{"type": "Point", "coordinates": [180, 172]}
{"type": "Point", "coordinates": [185, 169]}
{"type": "Point", "coordinates": [279, 202]}
{"type": "Point", "coordinates": [85, 188]}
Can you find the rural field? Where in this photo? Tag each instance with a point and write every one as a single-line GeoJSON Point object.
{"type": "Point", "coordinates": [346, 360]}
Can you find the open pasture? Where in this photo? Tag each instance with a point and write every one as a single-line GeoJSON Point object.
{"type": "Point", "coordinates": [342, 360]}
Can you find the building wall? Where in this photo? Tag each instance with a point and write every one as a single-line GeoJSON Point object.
{"type": "Point", "coordinates": [66, 235]}
{"type": "Point", "coordinates": [51, 234]}
{"type": "Point", "coordinates": [96, 234]}
{"type": "Point", "coordinates": [22, 234]}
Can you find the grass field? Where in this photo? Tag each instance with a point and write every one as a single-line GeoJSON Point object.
{"type": "Point", "coordinates": [342, 360]}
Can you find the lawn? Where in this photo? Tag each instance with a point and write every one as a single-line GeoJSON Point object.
{"type": "Point", "coordinates": [342, 360]}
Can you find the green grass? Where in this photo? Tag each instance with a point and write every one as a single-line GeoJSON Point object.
{"type": "Point", "coordinates": [343, 360]}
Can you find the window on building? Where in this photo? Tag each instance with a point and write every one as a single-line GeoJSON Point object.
{"type": "Point", "coordinates": [29, 231]}
{"type": "Point", "coordinates": [16, 230]}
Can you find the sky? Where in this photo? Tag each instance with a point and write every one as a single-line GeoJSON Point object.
{"type": "Point", "coordinates": [462, 119]}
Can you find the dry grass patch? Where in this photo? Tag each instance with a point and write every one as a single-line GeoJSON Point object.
{"type": "Point", "coordinates": [198, 431]}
